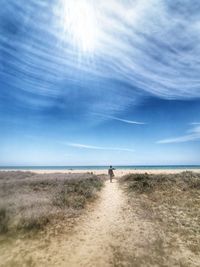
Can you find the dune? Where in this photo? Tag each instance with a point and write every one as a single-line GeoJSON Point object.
{"type": "Point", "coordinates": [138, 220]}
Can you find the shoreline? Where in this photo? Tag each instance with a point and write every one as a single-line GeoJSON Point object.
{"type": "Point", "coordinates": [117, 172]}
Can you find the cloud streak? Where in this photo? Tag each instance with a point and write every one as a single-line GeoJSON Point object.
{"type": "Point", "coordinates": [193, 135]}
{"type": "Point", "coordinates": [195, 123]}
{"type": "Point", "coordinates": [140, 48]}
{"type": "Point", "coordinates": [127, 121]}
{"type": "Point", "coordinates": [120, 119]}
{"type": "Point", "coordinates": [91, 147]}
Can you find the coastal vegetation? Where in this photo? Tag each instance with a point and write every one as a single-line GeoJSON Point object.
{"type": "Point", "coordinates": [141, 219]}
{"type": "Point", "coordinates": [169, 202]}
{"type": "Point", "coordinates": [29, 201]}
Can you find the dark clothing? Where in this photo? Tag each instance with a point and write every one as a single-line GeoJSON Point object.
{"type": "Point", "coordinates": [111, 173]}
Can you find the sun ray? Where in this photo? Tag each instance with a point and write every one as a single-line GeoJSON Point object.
{"type": "Point", "coordinates": [80, 24]}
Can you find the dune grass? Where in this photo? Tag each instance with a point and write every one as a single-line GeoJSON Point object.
{"type": "Point", "coordinates": [29, 201]}
{"type": "Point", "coordinates": [171, 202]}
{"type": "Point", "coordinates": [148, 183]}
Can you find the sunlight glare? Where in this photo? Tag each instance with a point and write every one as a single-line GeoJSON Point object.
{"type": "Point", "coordinates": [80, 23]}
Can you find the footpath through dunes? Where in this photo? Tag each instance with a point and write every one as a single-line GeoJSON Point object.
{"type": "Point", "coordinates": [119, 229]}
{"type": "Point", "coordinates": [109, 234]}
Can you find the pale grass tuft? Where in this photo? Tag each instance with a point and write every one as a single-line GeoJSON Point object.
{"type": "Point", "coordinates": [171, 202]}
{"type": "Point", "coordinates": [29, 201]}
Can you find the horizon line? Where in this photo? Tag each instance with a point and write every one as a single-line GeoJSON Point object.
{"type": "Point", "coordinates": [103, 165]}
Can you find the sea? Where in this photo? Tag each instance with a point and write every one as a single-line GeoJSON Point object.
{"type": "Point", "coordinates": [122, 167]}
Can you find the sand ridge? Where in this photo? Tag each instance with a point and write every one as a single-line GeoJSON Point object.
{"type": "Point", "coordinates": [118, 172]}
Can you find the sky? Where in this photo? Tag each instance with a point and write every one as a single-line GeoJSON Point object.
{"type": "Point", "coordinates": [85, 82]}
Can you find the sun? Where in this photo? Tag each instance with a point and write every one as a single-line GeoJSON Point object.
{"type": "Point", "coordinates": [80, 24]}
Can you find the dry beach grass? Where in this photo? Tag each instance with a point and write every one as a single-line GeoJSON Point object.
{"type": "Point", "coordinates": [143, 220]}
{"type": "Point", "coordinates": [171, 203]}
{"type": "Point", "coordinates": [29, 201]}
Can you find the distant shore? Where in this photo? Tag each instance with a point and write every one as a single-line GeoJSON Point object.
{"type": "Point", "coordinates": [118, 172]}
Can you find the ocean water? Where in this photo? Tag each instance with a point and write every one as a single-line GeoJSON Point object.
{"type": "Point", "coordinates": [132, 167]}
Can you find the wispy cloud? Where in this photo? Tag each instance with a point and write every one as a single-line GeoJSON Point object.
{"type": "Point", "coordinates": [195, 123]}
{"type": "Point", "coordinates": [119, 119]}
{"type": "Point", "coordinates": [127, 121]}
{"type": "Point", "coordinates": [147, 46]}
{"type": "Point", "coordinates": [192, 135]}
{"type": "Point", "coordinates": [84, 146]}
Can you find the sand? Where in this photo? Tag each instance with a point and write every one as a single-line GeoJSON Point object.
{"type": "Point", "coordinates": [118, 172]}
{"type": "Point", "coordinates": [100, 237]}
{"type": "Point", "coordinates": [109, 233]}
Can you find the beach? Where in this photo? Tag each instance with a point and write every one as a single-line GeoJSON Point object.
{"type": "Point", "coordinates": [100, 133]}
{"type": "Point", "coordinates": [117, 172]}
{"type": "Point", "coordinates": [75, 218]}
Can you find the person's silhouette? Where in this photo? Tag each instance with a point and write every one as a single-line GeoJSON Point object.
{"type": "Point", "coordinates": [111, 173]}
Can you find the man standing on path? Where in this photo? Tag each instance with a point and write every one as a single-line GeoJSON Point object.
{"type": "Point", "coordinates": [111, 173]}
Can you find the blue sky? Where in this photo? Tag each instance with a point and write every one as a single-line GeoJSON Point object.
{"type": "Point", "coordinates": [87, 82]}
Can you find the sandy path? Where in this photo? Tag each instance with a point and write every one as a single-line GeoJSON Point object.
{"type": "Point", "coordinates": [108, 234]}
{"type": "Point", "coordinates": [115, 230]}
{"type": "Point", "coordinates": [91, 244]}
